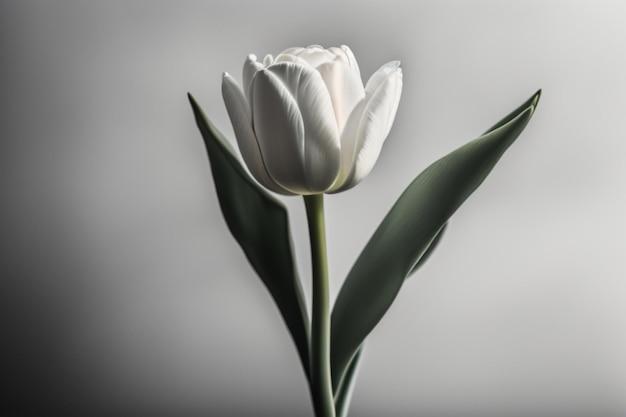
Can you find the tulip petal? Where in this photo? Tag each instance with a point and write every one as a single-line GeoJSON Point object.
{"type": "Point", "coordinates": [376, 122]}
{"type": "Point", "coordinates": [345, 89]}
{"type": "Point", "coordinates": [250, 67]}
{"type": "Point", "coordinates": [380, 76]}
{"type": "Point", "coordinates": [239, 113]}
{"type": "Point", "coordinates": [268, 60]}
{"type": "Point", "coordinates": [340, 55]}
{"type": "Point", "coordinates": [351, 59]}
{"type": "Point", "coordinates": [348, 146]}
{"type": "Point", "coordinates": [321, 150]}
{"type": "Point", "coordinates": [290, 58]}
{"type": "Point", "coordinates": [315, 55]}
{"type": "Point", "coordinates": [279, 130]}
{"type": "Point", "coordinates": [292, 51]}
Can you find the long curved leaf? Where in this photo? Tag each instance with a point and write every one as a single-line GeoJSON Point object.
{"type": "Point", "coordinates": [344, 391]}
{"type": "Point", "coordinates": [429, 251]}
{"type": "Point", "coordinates": [346, 386]}
{"type": "Point", "coordinates": [408, 230]}
{"type": "Point", "coordinates": [260, 225]}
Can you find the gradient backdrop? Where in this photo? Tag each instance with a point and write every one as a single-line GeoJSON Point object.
{"type": "Point", "coordinates": [123, 293]}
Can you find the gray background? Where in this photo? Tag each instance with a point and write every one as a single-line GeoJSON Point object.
{"type": "Point", "coordinates": [123, 292]}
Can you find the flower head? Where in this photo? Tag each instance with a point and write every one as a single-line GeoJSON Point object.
{"type": "Point", "coordinates": [304, 122]}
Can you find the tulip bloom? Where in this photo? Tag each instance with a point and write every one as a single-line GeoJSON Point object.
{"type": "Point", "coordinates": [304, 122]}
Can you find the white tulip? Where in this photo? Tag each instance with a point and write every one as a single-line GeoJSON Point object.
{"type": "Point", "coordinates": [304, 122]}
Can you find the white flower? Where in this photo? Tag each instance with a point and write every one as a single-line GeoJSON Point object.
{"type": "Point", "coordinates": [304, 122]}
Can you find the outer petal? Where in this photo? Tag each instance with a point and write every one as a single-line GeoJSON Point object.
{"type": "Point", "coordinates": [250, 67]}
{"type": "Point", "coordinates": [340, 55]}
{"type": "Point", "coordinates": [321, 148]}
{"type": "Point", "coordinates": [377, 119]}
{"type": "Point", "coordinates": [351, 59]}
{"type": "Point", "coordinates": [279, 130]}
{"type": "Point", "coordinates": [239, 113]}
{"type": "Point", "coordinates": [345, 89]}
{"type": "Point", "coordinates": [380, 76]}
{"type": "Point", "coordinates": [348, 145]}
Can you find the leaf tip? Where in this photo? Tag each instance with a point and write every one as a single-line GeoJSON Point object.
{"type": "Point", "coordinates": [536, 98]}
{"type": "Point", "coordinates": [190, 97]}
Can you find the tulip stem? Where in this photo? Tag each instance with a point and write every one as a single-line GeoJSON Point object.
{"type": "Point", "coordinates": [321, 385]}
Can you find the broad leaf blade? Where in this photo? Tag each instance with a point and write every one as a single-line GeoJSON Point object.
{"type": "Point", "coordinates": [408, 230]}
{"type": "Point", "coordinates": [260, 225]}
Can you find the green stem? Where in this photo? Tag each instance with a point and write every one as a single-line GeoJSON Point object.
{"type": "Point", "coordinates": [321, 385]}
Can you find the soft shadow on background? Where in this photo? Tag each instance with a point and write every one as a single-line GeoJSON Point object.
{"type": "Point", "coordinates": [122, 290]}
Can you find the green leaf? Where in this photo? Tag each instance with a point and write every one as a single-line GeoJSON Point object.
{"type": "Point", "coordinates": [408, 230]}
{"type": "Point", "coordinates": [260, 225]}
{"type": "Point", "coordinates": [344, 392]}
{"type": "Point", "coordinates": [345, 388]}
{"type": "Point", "coordinates": [531, 102]}
{"type": "Point", "coordinates": [429, 251]}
